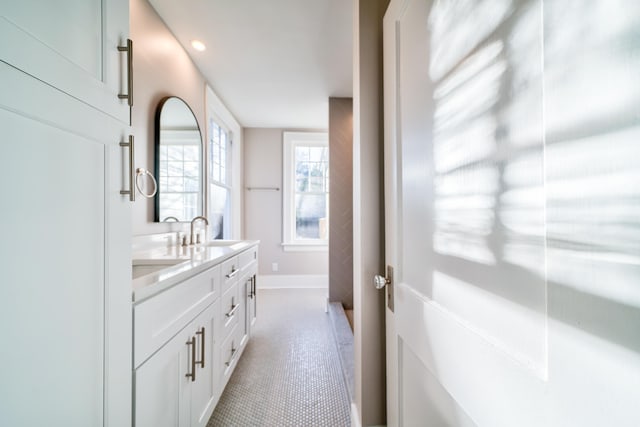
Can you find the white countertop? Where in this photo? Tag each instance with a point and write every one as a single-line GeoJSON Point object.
{"type": "Point", "coordinates": [190, 260]}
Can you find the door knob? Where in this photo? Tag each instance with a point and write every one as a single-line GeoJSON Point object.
{"type": "Point", "coordinates": [380, 281]}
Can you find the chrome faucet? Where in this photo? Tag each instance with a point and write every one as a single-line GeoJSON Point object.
{"type": "Point", "coordinates": [206, 221]}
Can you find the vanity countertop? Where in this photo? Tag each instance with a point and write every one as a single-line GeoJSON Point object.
{"type": "Point", "coordinates": [187, 261]}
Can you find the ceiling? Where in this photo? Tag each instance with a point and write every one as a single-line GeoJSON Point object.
{"type": "Point", "coordinates": [273, 63]}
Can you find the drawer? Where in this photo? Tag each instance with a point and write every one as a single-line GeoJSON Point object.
{"type": "Point", "coordinates": [229, 355]}
{"type": "Point", "coordinates": [229, 271]}
{"type": "Point", "coordinates": [230, 305]}
{"type": "Point", "coordinates": [158, 319]}
{"type": "Point", "coordinates": [248, 257]}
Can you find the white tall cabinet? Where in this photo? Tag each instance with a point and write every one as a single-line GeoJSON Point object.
{"type": "Point", "coordinates": [65, 279]}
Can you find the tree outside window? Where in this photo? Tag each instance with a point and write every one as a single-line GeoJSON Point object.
{"type": "Point", "coordinates": [306, 190]}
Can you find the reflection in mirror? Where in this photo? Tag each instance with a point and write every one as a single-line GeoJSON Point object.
{"type": "Point", "coordinates": [178, 154]}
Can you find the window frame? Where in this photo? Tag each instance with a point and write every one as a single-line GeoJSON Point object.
{"type": "Point", "coordinates": [290, 141]}
{"type": "Point", "coordinates": [227, 185]}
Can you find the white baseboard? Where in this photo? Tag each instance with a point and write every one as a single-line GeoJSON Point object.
{"type": "Point", "coordinates": [287, 281]}
{"type": "Point", "coordinates": [355, 416]}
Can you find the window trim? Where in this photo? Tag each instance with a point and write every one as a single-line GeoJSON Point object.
{"type": "Point", "coordinates": [214, 107]}
{"type": "Point", "coordinates": [227, 226]}
{"type": "Point", "coordinates": [289, 142]}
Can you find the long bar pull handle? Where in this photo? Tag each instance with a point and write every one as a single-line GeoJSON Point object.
{"type": "Point", "coordinates": [234, 307]}
{"type": "Point", "coordinates": [129, 95]}
{"type": "Point", "coordinates": [255, 304]}
{"type": "Point", "coordinates": [250, 281]}
{"type": "Point", "coordinates": [192, 374]}
{"type": "Point", "coordinates": [253, 285]}
{"type": "Point", "coordinates": [132, 175]}
{"type": "Point", "coordinates": [201, 333]}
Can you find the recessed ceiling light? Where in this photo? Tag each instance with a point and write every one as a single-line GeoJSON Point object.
{"type": "Point", "coordinates": [198, 45]}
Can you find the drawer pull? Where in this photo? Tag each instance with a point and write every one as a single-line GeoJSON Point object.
{"type": "Point", "coordinates": [234, 307]}
{"type": "Point", "coordinates": [202, 352]}
{"type": "Point", "coordinates": [233, 352]}
{"type": "Point", "coordinates": [232, 273]}
{"type": "Point", "coordinates": [192, 344]}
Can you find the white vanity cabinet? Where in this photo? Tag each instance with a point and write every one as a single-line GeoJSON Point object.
{"type": "Point", "coordinates": [65, 269]}
{"type": "Point", "coordinates": [188, 337]}
{"type": "Point", "coordinates": [249, 261]}
{"type": "Point", "coordinates": [248, 283]}
{"type": "Point", "coordinates": [176, 386]}
{"type": "Point", "coordinates": [230, 313]}
{"type": "Point", "coordinates": [175, 335]}
{"type": "Point", "coordinates": [237, 302]}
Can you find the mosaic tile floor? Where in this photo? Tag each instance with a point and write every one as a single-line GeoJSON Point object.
{"type": "Point", "coordinates": [289, 374]}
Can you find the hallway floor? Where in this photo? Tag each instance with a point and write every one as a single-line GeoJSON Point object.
{"type": "Point", "coordinates": [289, 374]}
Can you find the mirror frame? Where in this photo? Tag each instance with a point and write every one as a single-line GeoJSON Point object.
{"type": "Point", "coordinates": [158, 115]}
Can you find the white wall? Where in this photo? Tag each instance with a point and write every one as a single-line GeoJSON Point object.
{"type": "Point", "coordinates": [263, 209]}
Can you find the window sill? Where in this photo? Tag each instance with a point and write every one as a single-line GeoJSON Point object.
{"type": "Point", "coordinates": [305, 247]}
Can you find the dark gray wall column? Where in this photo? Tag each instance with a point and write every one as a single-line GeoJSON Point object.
{"type": "Point", "coordinates": [341, 201]}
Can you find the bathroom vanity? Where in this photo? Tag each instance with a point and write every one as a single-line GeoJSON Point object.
{"type": "Point", "coordinates": [193, 309]}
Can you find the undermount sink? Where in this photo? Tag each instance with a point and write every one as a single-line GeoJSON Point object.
{"type": "Point", "coordinates": [222, 242]}
{"type": "Point", "coordinates": [142, 267]}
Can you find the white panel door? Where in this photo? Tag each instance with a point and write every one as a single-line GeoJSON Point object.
{"type": "Point", "coordinates": [204, 392]}
{"type": "Point", "coordinates": [52, 319]}
{"type": "Point", "coordinates": [71, 45]}
{"type": "Point", "coordinates": [65, 257]}
{"type": "Point", "coordinates": [511, 228]}
{"type": "Point", "coordinates": [162, 390]}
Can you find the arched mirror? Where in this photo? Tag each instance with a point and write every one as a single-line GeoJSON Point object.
{"type": "Point", "coordinates": [178, 159]}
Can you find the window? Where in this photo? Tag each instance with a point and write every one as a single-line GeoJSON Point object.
{"type": "Point", "coordinates": [305, 191]}
{"type": "Point", "coordinates": [179, 174]}
{"type": "Point", "coordinates": [219, 181]}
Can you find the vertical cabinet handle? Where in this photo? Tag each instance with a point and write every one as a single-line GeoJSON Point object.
{"type": "Point", "coordinates": [129, 95]}
{"type": "Point", "coordinates": [250, 281]}
{"type": "Point", "coordinates": [255, 304]}
{"type": "Point", "coordinates": [253, 285]}
{"type": "Point", "coordinates": [132, 176]}
{"type": "Point", "coordinates": [201, 333]}
{"type": "Point", "coordinates": [192, 374]}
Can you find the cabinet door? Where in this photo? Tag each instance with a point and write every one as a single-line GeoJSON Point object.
{"type": "Point", "coordinates": [164, 394]}
{"type": "Point", "coordinates": [54, 293]}
{"type": "Point", "coordinates": [162, 390]}
{"type": "Point", "coordinates": [204, 388]}
{"type": "Point", "coordinates": [246, 289]}
{"type": "Point", "coordinates": [251, 298]}
{"type": "Point", "coordinates": [71, 45]}
{"type": "Point", "coordinates": [229, 352]}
